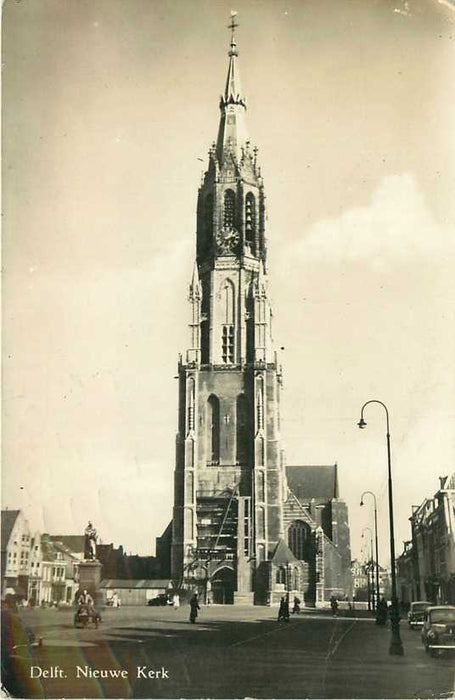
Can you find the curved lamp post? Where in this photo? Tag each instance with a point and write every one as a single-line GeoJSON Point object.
{"type": "Point", "coordinates": [370, 493]}
{"type": "Point", "coordinates": [370, 597]}
{"type": "Point", "coordinates": [396, 645]}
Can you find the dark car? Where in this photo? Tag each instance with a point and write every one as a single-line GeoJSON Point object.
{"type": "Point", "coordinates": [438, 631]}
{"type": "Point", "coordinates": [417, 612]}
{"type": "Point", "coordinates": [160, 600]}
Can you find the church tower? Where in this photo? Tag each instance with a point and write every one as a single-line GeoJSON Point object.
{"type": "Point", "coordinates": [229, 475]}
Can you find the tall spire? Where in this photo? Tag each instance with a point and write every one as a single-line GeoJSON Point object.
{"type": "Point", "coordinates": [232, 133]}
{"type": "Point", "coordinates": [233, 89]}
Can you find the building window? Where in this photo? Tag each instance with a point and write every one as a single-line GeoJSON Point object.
{"type": "Point", "coordinates": [229, 209]}
{"type": "Point", "coordinates": [281, 575]}
{"type": "Point", "coordinates": [213, 430]}
{"type": "Point", "coordinates": [228, 331]}
{"type": "Point", "coordinates": [299, 539]}
{"type": "Point", "coordinates": [228, 345]}
{"type": "Point", "coordinates": [250, 218]}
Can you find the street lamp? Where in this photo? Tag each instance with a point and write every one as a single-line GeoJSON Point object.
{"type": "Point", "coordinates": [368, 570]}
{"type": "Point", "coordinates": [396, 645]}
{"type": "Point", "coordinates": [376, 540]}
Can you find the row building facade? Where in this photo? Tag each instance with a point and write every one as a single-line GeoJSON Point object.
{"type": "Point", "coordinates": [426, 568]}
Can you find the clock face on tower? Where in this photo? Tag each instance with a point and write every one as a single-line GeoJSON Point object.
{"type": "Point", "coordinates": [227, 240]}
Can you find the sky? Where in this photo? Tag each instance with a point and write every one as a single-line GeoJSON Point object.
{"type": "Point", "coordinates": [109, 109]}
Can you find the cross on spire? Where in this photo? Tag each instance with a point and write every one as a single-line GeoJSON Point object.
{"type": "Point", "coordinates": [232, 26]}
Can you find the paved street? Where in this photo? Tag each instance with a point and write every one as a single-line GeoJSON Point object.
{"type": "Point", "coordinates": [231, 652]}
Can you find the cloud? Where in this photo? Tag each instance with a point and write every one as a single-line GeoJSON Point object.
{"type": "Point", "coordinates": [447, 3]}
{"type": "Point", "coordinates": [396, 227]}
{"type": "Point", "coordinates": [405, 11]}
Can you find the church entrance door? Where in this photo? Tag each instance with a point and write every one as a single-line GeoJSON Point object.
{"type": "Point", "coordinates": [223, 585]}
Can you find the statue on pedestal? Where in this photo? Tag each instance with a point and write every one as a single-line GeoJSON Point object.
{"type": "Point", "coordinates": [90, 542]}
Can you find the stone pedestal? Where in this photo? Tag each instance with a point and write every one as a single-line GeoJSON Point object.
{"type": "Point", "coordinates": [243, 598]}
{"type": "Point", "coordinates": [90, 579]}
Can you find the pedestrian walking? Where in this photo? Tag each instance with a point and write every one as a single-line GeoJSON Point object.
{"type": "Point", "coordinates": [381, 612]}
{"type": "Point", "coordinates": [283, 611]}
{"type": "Point", "coordinates": [334, 606]}
{"type": "Point", "coordinates": [194, 607]}
{"type": "Point", "coordinates": [176, 601]}
{"type": "Point", "coordinates": [296, 608]}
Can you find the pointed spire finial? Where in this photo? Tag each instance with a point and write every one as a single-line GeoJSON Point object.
{"type": "Point", "coordinates": [232, 26]}
{"type": "Point", "coordinates": [195, 284]}
{"type": "Point", "coordinates": [232, 132]}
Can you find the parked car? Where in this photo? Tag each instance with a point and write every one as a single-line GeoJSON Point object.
{"type": "Point", "coordinates": [416, 613]}
{"type": "Point", "coordinates": [438, 631]}
{"type": "Point", "coordinates": [161, 599]}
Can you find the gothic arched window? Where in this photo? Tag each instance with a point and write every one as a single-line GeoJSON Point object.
{"type": "Point", "coordinates": [299, 539]}
{"type": "Point", "coordinates": [213, 430]}
{"type": "Point", "coordinates": [250, 217]}
{"type": "Point", "coordinates": [229, 209]}
{"type": "Point", "coordinates": [242, 441]}
{"type": "Point", "coordinates": [228, 297]}
{"type": "Point", "coordinates": [281, 575]}
{"type": "Point", "coordinates": [228, 327]}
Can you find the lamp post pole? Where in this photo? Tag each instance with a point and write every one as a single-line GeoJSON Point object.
{"type": "Point", "coordinates": [375, 540]}
{"type": "Point", "coordinates": [373, 606]}
{"type": "Point", "coordinates": [396, 645]}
